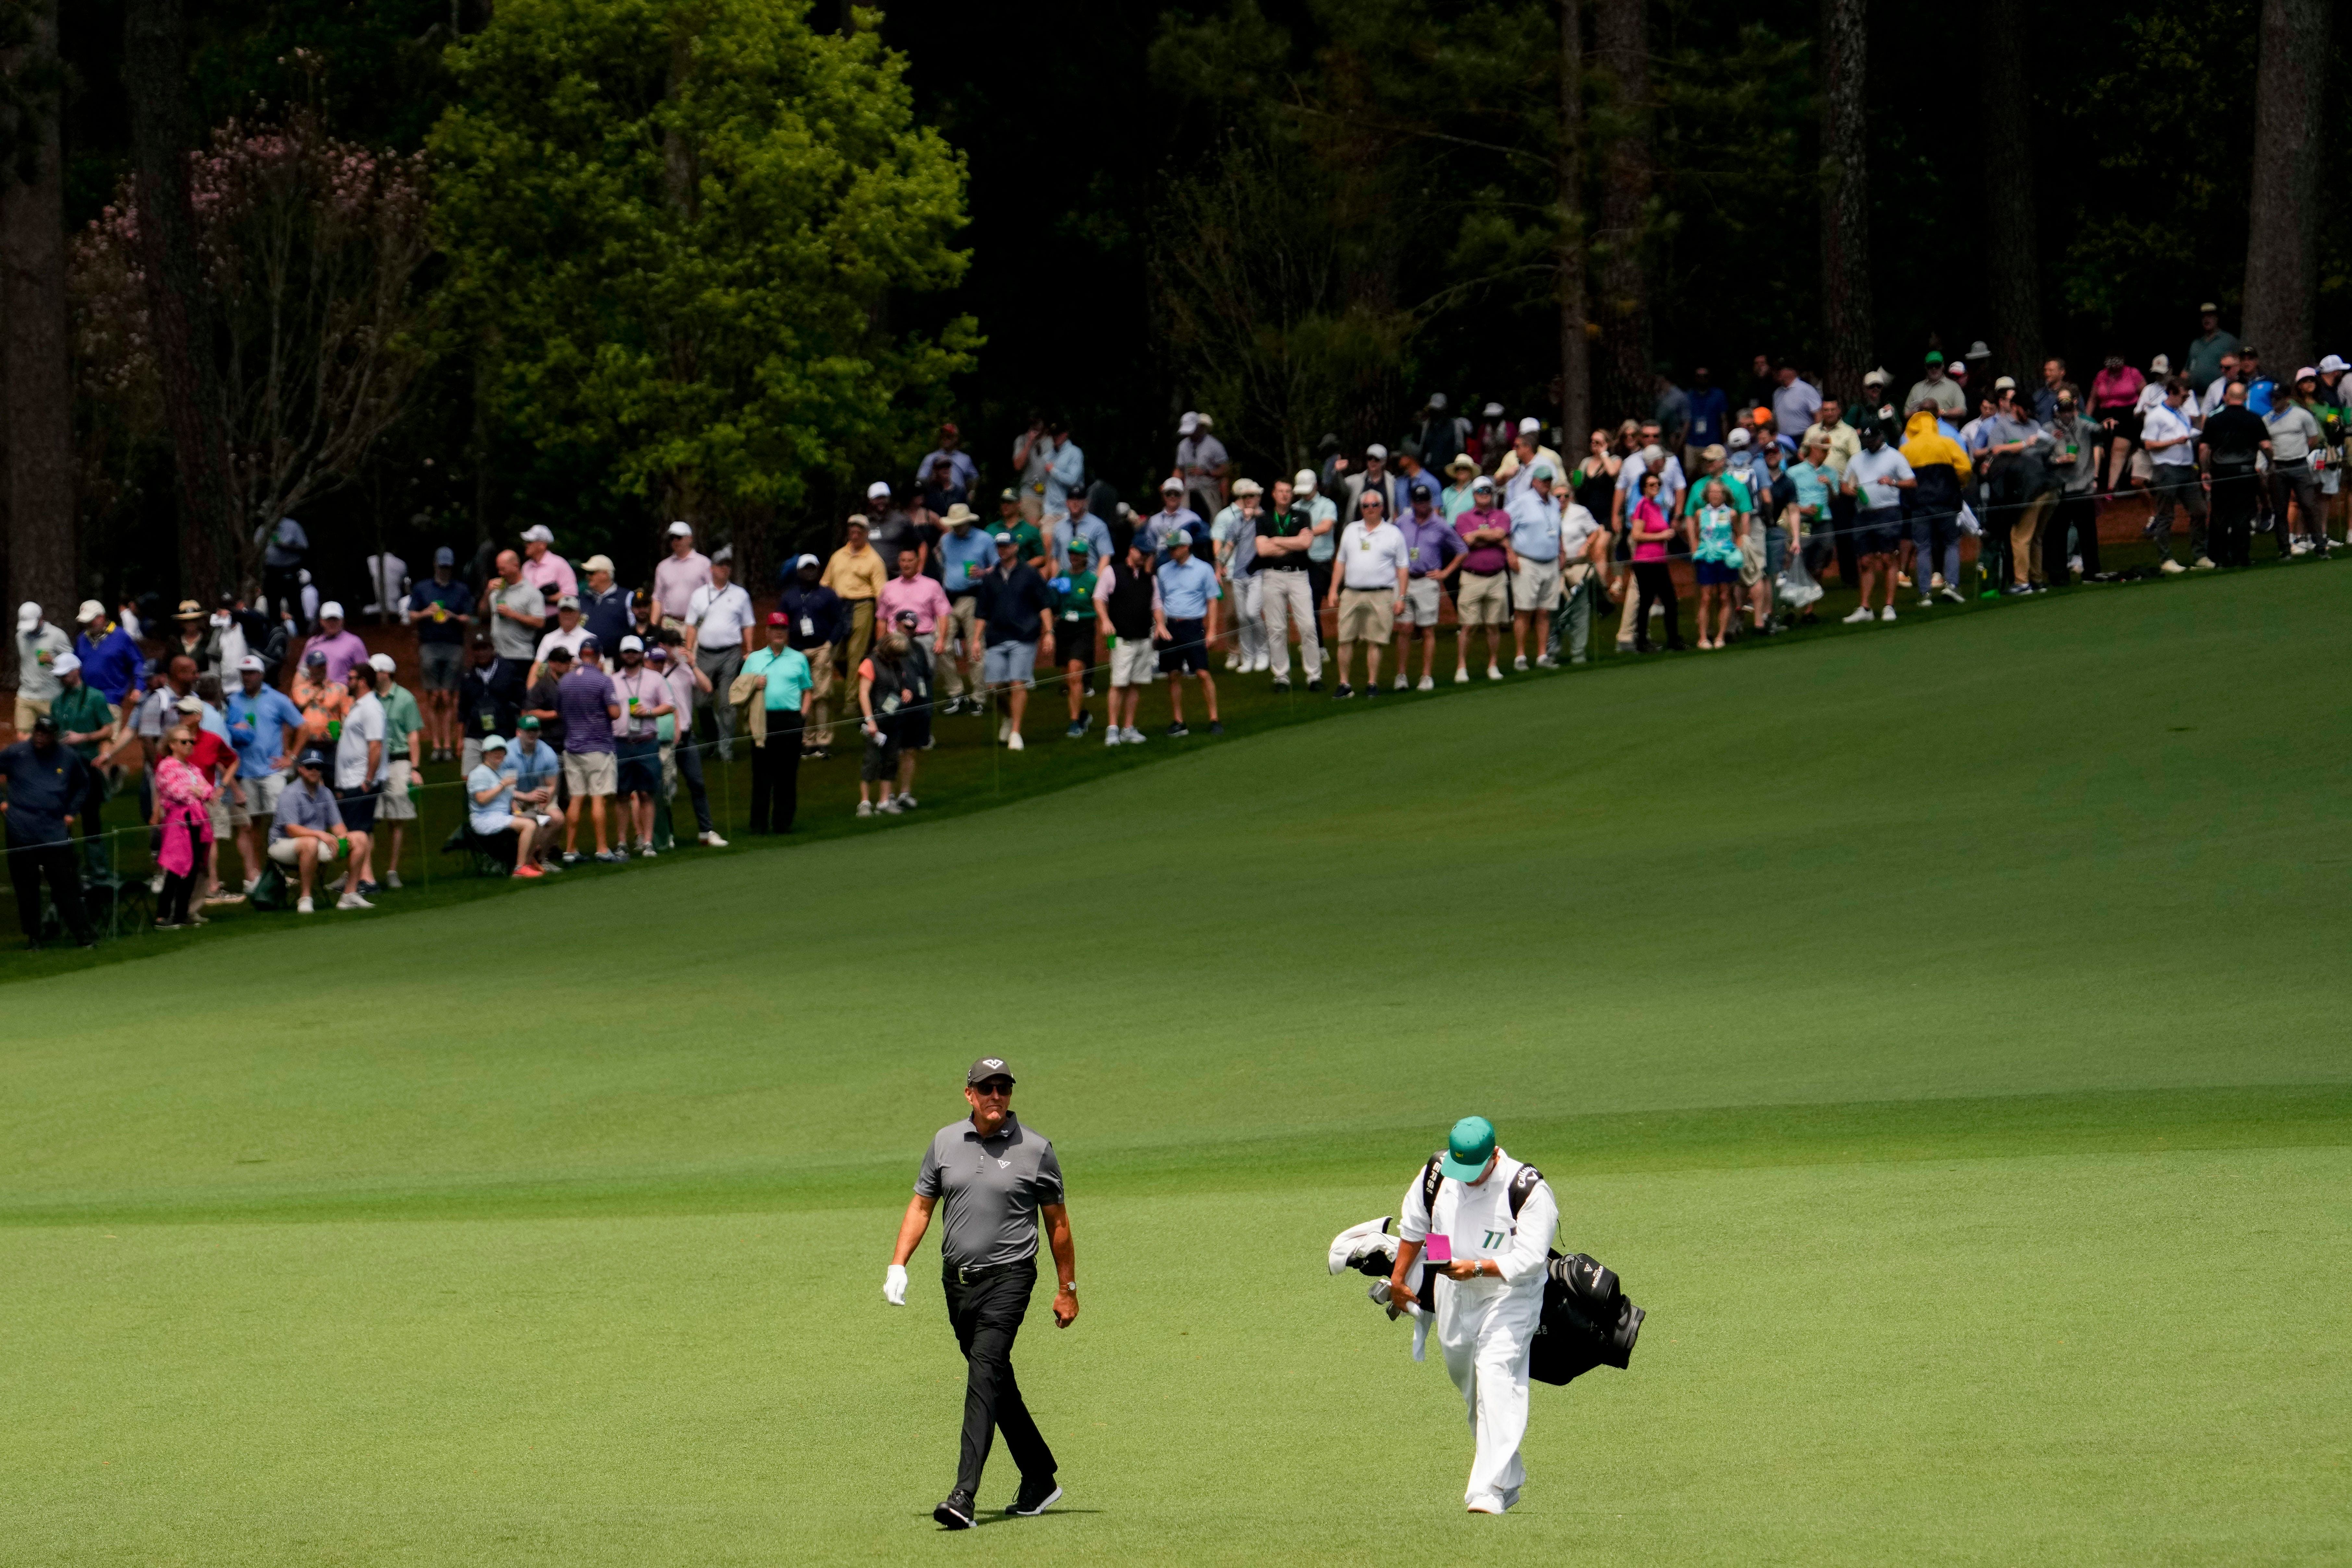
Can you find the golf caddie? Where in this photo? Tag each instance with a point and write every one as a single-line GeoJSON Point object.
{"type": "Point", "coordinates": [999, 1178]}
{"type": "Point", "coordinates": [1487, 1222]}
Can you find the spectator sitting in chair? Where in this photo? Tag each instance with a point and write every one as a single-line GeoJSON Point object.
{"type": "Point", "coordinates": [308, 824]}
{"type": "Point", "coordinates": [490, 805]}
{"type": "Point", "coordinates": [535, 766]}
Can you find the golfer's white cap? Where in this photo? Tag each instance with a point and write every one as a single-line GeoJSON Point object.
{"type": "Point", "coordinates": [92, 610]}
{"type": "Point", "coordinates": [1530, 425]}
{"type": "Point", "coordinates": [878, 490]}
{"type": "Point", "coordinates": [333, 610]}
{"type": "Point", "coordinates": [1304, 481]}
{"type": "Point", "coordinates": [381, 663]}
{"type": "Point", "coordinates": [28, 616]}
{"type": "Point", "coordinates": [680, 530]}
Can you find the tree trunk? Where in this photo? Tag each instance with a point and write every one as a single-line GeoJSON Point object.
{"type": "Point", "coordinates": [1621, 36]}
{"type": "Point", "coordinates": [1845, 197]}
{"type": "Point", "coordinates": [2013, 269]}
{"type": "Point", "coordinates": [2283, 216]}
{"type": "Point", "coordinates": [1575, 349]}
{"type": "Point", "coordinates": [155, 75]}
{"type": "Point", "coordinates": [37, 365]}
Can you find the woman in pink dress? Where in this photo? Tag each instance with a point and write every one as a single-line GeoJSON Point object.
{"type": "Point", "coordinates": [182, 797]}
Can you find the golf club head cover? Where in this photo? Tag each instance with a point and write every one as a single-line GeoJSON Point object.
{"type": "Point", "coordinates": [1354, 1243]}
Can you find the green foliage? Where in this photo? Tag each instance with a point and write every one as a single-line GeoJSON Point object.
{"type": "Point", "coordinates": [679, 225]}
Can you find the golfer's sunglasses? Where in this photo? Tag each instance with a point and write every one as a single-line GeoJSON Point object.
{"type": "Point", "coordinates": [995, 1086]}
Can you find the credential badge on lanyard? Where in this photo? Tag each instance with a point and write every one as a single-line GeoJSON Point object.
{"type": "Point", "coordinates": [808, 626]}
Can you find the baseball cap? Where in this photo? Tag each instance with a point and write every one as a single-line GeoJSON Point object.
{"type": "Point", "coordinates": [1303, 482]}
{"type": "Point", "coordinates": [725, 554]}
{"type": "Point", "coordinates": [2161, 364]}
{"type": "Point", "coordinates": [590, 645]}
{"type": "Point", "coordinates": [28, 616]}
{"type": "Point", "coordinates": [539, 533]}
{"type": "Point", "coordinates": [2209, 309]}
{"type": "Point", "coordinates": [597, 563]}
{"type": "Point", "coordinates": [526, 723]}
{"type": "Point", "coordinates": [1188, 423]}
{"type": "Point", "coordinates": [1541, 471]}
{"type": "Point", "coordinates": [1421, 493]}
{"type": "Point", "coordinates": [633, 643]}
{"type": "Point", "coordinates": [2330, 364]}
{"type": "Point", "coordinates": [65, 664]}
{"type": "Point", "coordinates": [2308, 372]}
{"type": "Point", "coordinates": [2005, 383]}
{"type": "Point", "coordinates": [1467, 1149]}
{"type": "Point", "coordinates": [680, 530]}
{"type": "Point", "coordinates": [567, 601]}
{"type": "Point", "coordinates": [1077, 547]}
{"type": "Point", "coordinates": [493, 744]}
{"type": "Point", "coordinates": [190, 611]}
{"type": "Point", "coordinates": [1009, 494]}
{"type": "Point", "coordinates": [43, 725]}
{"type": "Point", "coordinates": [1181, 538]}
{"type": "Point", "coordinates": [558, 654]}
{"type": "Point", "coordinates": [191, 703]}
{"type": "Point", "coordinates": [1877, 378]}
{"type": "Point", "coordinates": [778, 618]}
{"type": "Point", "coordinates": [1377, 451]}
{"type": "Point", "coordinates": [657, 654]}
{"type": "Point", "coordinates": [333, 610]}
{"type": "Point", "coordinates": [1481, 483]}
{"type": "Point", "coordinates": [907, 618]}
{"type": "Point", "coordinates": [311, 758]}
{"type": "Point", "coordinates": [988, 1068]}
{"type": "Point", "coordinates": [1003, 537]}
{"type": "Point", "coordinates": [381, 663]}
{"type": "Point", "coordinates": [445, 556]}
{"type": "Point", "coordinates": [1492, 411]}
{"type": "Point", "coordinates": [1248, 487]}
{"type": "Point", "coordinates": [805, 560]}
{"type": "Point", "coordinates": [1737, 440]}
{"type": "Point", "coordinates": [315, 655]}
{"type": "Point", "coordinates": [1171, 485]}
{"type": "Point", "coordinates": [2248, 351]}
{"type": "Point", "coordinates": [1437, 401]}
{"type": "Point", "coordinates": [1530, 425]}
{"type": "Point", "coordinates": [1935, 356]}
{"type": "Point", "coordinates": [878, 490]}
{"type": "Point", "coordinates": [1957, 368]}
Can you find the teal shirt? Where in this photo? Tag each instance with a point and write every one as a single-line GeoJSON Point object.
{"type": "Point", "coordinates": [788, 678]}
{"type": "Point", "coordinates": [400, 717]}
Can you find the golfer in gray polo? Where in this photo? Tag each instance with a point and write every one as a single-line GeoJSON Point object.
{"type": "Point", "coordinates": [998, 1177]}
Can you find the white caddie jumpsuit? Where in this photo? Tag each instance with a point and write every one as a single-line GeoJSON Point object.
{"type": "Point", "coordinates": [1487, 1326]}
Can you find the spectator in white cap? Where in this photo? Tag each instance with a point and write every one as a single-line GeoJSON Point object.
{"type": "Point", "coordinates": [342, 647]}
{"type": "Point", "coordinates": [404, 723]}
{"type": "Point", "coordinates": [645, 699]}
{"type": "Point", "coordinates": [110, 655]}
{"type": "Point", "coordinates": [1511, 475]}
{"type": "Point", "coordinates": [84, 722]}
{"type": "Point", "coordinates": [1233, 534]}
{"type": "Point", "coordinates": [39, 646]}
{"type": "Point", "coordinates": [890, 529]}
{"type": "Point", "coordinates": [570, 629]}
{"type": "Point", "coordinates": [721, 632]}
{"type": "Point", "coordinates": [682, 572]}
{"type": "Point", "coordinates": [310, 824]}
{"type": "Point", "coordinates": [441, 611]}
{"type": "Point", "coordinates": [856, 574]}
{"type": "Point", "coordinates": [266, 728]}
{"type": "Point", "coordinates": [1173, 516]}
{"type": "Point", "coordinates": [490, 806]}
{"type": "Point", "coordinates": [1376, 477]}
{"type": "Point", "coordinates": [1322, 544]}
{"type": "Point", "coordinates": [541, 566]}
{"type": "Point", "coordinates": [1016, 609]}
{"type": "Point", "coordinates": [1202, 463]}
{"type": "Point", "coordinates": [2331, 409]}
{"type": "Point", "coordinates": [1493, 437]}
{"type": "Point", "coordinates": [605, 608]}
{"type": "Point", "coordinates": [360, 763]}
{"type": "Point", "coordinates": [815, 622]}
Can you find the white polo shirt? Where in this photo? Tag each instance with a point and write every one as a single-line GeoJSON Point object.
{"type": "Point", "coordinates": [1371, 558]}
{"type": "Point", "coordinates": [719, 616]}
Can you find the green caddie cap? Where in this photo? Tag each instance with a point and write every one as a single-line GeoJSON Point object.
{"type": "Point", "coordinates": [1468, 1148]}
{"type": "Point", "coordinates": [1934, 357]}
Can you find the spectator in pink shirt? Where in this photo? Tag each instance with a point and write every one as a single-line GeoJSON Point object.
{"type": "Point", "coordinates": [682, 571]}
{"type": "Point", "coordinates": [911, 590]}
{"type": "Point", "coordinates": [1486, 532]}
{"type": "Point", "coordinates": [542, 565]}
{"type": "Point", "coordinates": [342, 647]}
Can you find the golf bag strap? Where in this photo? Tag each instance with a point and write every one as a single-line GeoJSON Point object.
{"type": "Point", "coordinates": [1521, 1185]}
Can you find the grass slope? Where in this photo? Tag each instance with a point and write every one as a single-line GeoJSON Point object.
{"type": "Point", "coordinates": [1938, 1030]}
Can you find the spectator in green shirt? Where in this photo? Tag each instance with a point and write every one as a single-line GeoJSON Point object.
{"type": "Point", "coordinates": [404, 726]}
{"type": "Point", "coordinates": [84, 723]}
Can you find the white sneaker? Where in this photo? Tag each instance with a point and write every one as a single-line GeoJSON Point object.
{"type": "Point", "coordinates": [1264, 662]}
{"type": "Point", "coordinates": [2300, 547]}
{"type": "Point", "coordinates": [391, 879]}
{"type": "Point", "coordinates": [2174, 569]}
{"type": "Point", "coordinates": [1860, 615]}
{"type": "Point", "coordinates": [1657, 611]}
{"type": "Point", "coordinates": [712, 841]}
{"type": "Point", "coordinates": [1130, 736]}
{"type": "Point", "coordinates": [865, 808]}
{"type": "Point", "coordinates": [1014, 743]}
{"type": "Point", "coordinates": [1111, 736]}
{"type": "Point", "coordinates": [645, 851]}
{"type": "Point", "coordinates": [1493, 673]}
{"type": "Point", "coordinates": [353, 901]}
{"type": "Point", "coordinates": [1926, 602]}
{"type": "Point", "coordinates": [1462, 676]}
{"type": "Point", "coordinates": [2074, 564]}
{"type": "Point", "coordinates": [1003, 730]}
{"type": "Point", "coordinates": [1402, 684]}
{"type": "Point", "coordinates": [305, 907]}
{"type": "Point", "coordinates": [1520, 664]}
{"type": "Point", "coordinates": [1426, 685]}
{"type": "Point", "coordinates": [892, 807]}
{"type": "Point", "coordinates": [906, 802]}
{"type": "Point", "coordinates": [2205, 563]}
{"type": "Point", "coordinates": [1547, 662]}
{"type": "Point", "coordinates": [1888, 613]}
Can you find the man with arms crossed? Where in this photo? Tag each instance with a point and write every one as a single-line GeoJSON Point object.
{"type": "Point", "coordinates": [1490, 1298]}
{"type": "Point", "coordinates": [998, 1179]}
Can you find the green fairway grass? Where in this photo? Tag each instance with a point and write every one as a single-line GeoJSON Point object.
{"type": "Point", "coordinates": [1942, 1033]}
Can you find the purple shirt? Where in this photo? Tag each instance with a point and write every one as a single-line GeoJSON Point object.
{"type": "Point", "coordinates": [1431, 543]}
{"type": "Point", "coordinates": [582, 697]}
{"type": "Point", "coordinates": [1484, 559]}
{"type": "Point", "coordinates": [343, 650]}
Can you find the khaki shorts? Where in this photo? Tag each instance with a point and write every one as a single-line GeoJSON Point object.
{"type": "Point", "coordinates": [1367, 614]}
{"type": "Point", "coordinates": [1422, 599]}
{"type": "Point", "coordinates": [1133, 662]}
{"type": "Point", "coordinates": [28, 709]}
{"type": "Point", "coordinates": [261, 794]}
{"type": "Point", "coordinates": [1485, 600]}
{"type": "Point", "coordinates": [396, 806]}
{"type": "Point", "coordinates": [1751, 555]}
{"type": "Point", "coordinates": [228, 811]}
{"type": "Point", "coordinates": [592, 773]}
{"type": "Point", "coordinates": [1536, 585]}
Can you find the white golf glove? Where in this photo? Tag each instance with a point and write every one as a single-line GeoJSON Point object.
{"type": "Point", "coordinates": [893, 1284]}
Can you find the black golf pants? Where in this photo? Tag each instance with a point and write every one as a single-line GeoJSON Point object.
{"type": "Point", "coordinates": [986, 1314]}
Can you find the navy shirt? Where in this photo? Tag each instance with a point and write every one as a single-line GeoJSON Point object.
{"type": "Point", "coordinates": [44, 789]}
{"type": "Point", "coordinates": [454, 598]}
{"type": "Point", "coordinates": [814, 614]}
{"type": "Point", "coordinates": [607, 617]}
{"type": "Point", "coordinates": [1013, 602]}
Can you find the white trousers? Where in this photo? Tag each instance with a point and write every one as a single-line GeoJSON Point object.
{"type": "Point", "coordinates": [1286, 602]}
{"type": "Point", "coordinates": [1486, 1333]}
{"type": "Point", "coordinates": [1249, 621]}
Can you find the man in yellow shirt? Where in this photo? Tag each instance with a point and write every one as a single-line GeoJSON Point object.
{"type": "Point", "coordinates": [856, 574]}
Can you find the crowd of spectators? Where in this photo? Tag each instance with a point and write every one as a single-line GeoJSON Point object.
{"type": "Point", "coordinates": [567, 701]}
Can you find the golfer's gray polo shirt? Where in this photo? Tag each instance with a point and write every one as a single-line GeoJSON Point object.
{"type": "Point", "coordinates": [993, 1187]}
